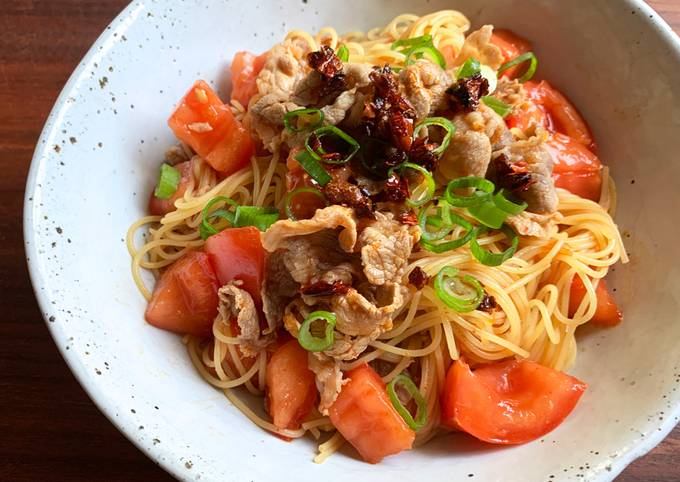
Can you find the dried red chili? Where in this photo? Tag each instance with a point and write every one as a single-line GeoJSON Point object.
{"type": "Point", "coordinates": [418, 278]}
{"type": "Point", "coordinates": [341, 192]}
{"type": "Point", "coordinates": [465, 94]}
{"type": "Point", "coordinates": [488, 303]}
{"type": "Point", "coordinates": [322, 288]}
{"type": "Point", "coordinates": [514, 176]}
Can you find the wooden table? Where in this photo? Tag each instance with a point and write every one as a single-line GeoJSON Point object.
{"type": "Point", "coordinates": [49, 429]}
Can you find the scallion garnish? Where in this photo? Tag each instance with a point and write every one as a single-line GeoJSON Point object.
{"type": "Point", "coordinates": [498, 106]}
{"type": "Point", "coordinates": [442, 221]}
{"type": "Point", "coordinates": [494, 259]}
{"type": "Point", "coordinates": [313, 168]}
{"type": "Point", "coordinates": [260, 217]}
{"type": "Point", "coordinates": [416, 47]}
{"type": "Point", "coordinates": [469, 68]}
{"type": "Point", "coordinates": [488, 214]}
{"type": "Point", "coordinates": [302, 119]}
{"type": "Point", "coordinates": [442, 122]}
{"type": "Point", "coordinates": [334, 134]}
{"type": "Point", "coordinates": [168, 181]}
{"type": "Point", "coordinates": [343, 53]}
{"type": "Point", "coordinates": [461, 293]}
{"type": "Point", "coordinates": [483, 190]}
{"type": "Point", "coordinates": [424, 191]}
{"type": "Point", "coordinates": [288, 203]}
{"type": "Point", "coordinates": [309, 341]}
{"type": "Point", "coordinates": [452, 244]}
{"type": "Point", "coordinates": [206, 229]}
{"type": "Point", "coordinates": [502, 199]}
{"type": "Point", "coordinates": [531, 70]}
{"type": "Point", "coordinates": [421, 405]}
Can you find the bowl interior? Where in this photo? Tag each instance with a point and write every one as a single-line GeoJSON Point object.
{"type": "Point", "coordinates": [97, 160]}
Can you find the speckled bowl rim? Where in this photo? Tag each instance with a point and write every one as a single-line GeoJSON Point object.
{"type": "Point", "coordinates": [125, 423]}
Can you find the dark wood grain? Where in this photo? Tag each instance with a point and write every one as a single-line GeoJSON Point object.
{"type": "Point", "coordinates": [49, 429]}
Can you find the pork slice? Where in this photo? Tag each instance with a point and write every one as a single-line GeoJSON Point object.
{"type": "Point", "coordinates": [532, 224]}
{"type": "Point", "coordinates": [478, 46]}
{"type": "Point", "coordinates": [329, 380]}
{"type": "Point", "coordinates": [424, 85]}
{"type": "Point", "coordinates": [278, 289]}
{"type": "Point", "coordinates": [235, 302]}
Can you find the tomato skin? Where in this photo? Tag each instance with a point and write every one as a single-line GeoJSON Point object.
{"type": "Point", "coordinates": [161, 207]}
{"type": "Point", "coordinates": [512, 46]}
{"type": "Point", "coordinates": [184, 299]}
{"type": "Point", "coordinates": [244, 71]}
{"type": "Point", "coordinates": [508, 402]}
{"type": "Point", "coordinates": [225, 144]}
{"type": "Point", "coordinates": [606, 314]}
{"type": "Point", "coordinates": [303, 205]}
{"type": "Point", "coordinates": [237, 253]}
{"type": "Point", "coordinates": [291, 386]}
{"type": "Point", "coordinates": [365, 416]}
{"type": "Point", "coordinates": [575, 169]}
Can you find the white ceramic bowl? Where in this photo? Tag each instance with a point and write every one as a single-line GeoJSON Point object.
{"type": "Point", "coordinates": [96, 161]}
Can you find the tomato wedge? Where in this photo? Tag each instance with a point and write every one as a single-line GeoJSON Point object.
{"type": "Point", "coordinates": [244, 71]}
{"type": "Point", "coordinates": [291, 386]}
{"type": "Point", "coordinates": [161, 207]}
{"type": "Point", "coordinates": [208, 126]}
{"type": "Point", "coordinates": [184, 299]}
{"type": "Point", "coordinates": [512, 46]}
{"type": "Point", "coordinates": [237, 253]}
{"type": "Point", "coordinates": [606, 314]}
{"type": "Point", "coordinates": [576, 169]}
{"type": "Point", "coordinates": [365, 416]}
{"type": "Point", "coordinates": [508, 402]}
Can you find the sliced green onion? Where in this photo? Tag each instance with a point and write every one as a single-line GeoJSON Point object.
{"type": "Point", "coordinates": [442, 221]}
{"type": "Point", "coordinates": [167, 182]}
{"type": "Point", "coordinates": [430, 50]}
{"type": "Point", "coordinates": [313, 168]}
{"type": "Point", "coordinates": [461, 293]}
{"type": "Point", "coordinates": [483, 190]}
{"type": "Point", "coordinates": [453, 244]}
{"type": "Point", "coordinates": [302, 119]}
{"type": "Point", "coordinates": [494, 259]}
{"type": "Point", "coordinates": [343, 53]}
{"type": "Point", "coordinates": [260, 217]}
{"type": "Point", "coordinates": [288, 203]}
{"type": "Point", "coordinates": [531, 70]}
{"type": "Point", "coordinates": [322, 132]}
{"type": "Point", "coordinates": [312, 343]}
{"type": "Point", "coordinates": [421, 404]}
{"type": "Point", "coordinates": [206, 229]}
{"type": "Point", "coordinates": [425, 189]}
{"type": "Point", "coordinates": [502, 200]}
{"type": "Point", "coordinates": [413, 42]}
{"type": "Point", "coordinates": [488, 214]}
{"type": "Point", "coordinates": [468, 69]}
{"type": "Point", "coordinates": [498, 106]}
{"type": "Point", "coordinates": [442, 122]}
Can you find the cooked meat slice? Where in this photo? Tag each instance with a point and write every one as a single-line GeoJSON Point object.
{"type": "Point", "coordinates": [532, 224]}
{"type": "Point", "coordinates": [329, 380]}
{"type": "Point", "coordinates": [235, 302]}
{"type": "Point", "coordinates": [279, 235]}
{"type": "Point", "coordinates": [478, 46]}
{"type": "Point", "coordinates": [318, 257]}
{"type": "Point", "coordinates": [478, 134]}
{"type": "Point", "coordinates": [278, 289]}
{"type": "Point", "coordinates": [540, 194]}
{"type": "Point", "coordinates": [349, 347]}
{"type": "Point", "coordinates": [357, 315]}
{"type": "Point", "coordinates": [424, 84]}
{"type": "Point", "coordinates": [340, 191]}
{"type": "Point", "coordinates": [510, 91]}
{"type": "Point", "coordinates": [385, 248]}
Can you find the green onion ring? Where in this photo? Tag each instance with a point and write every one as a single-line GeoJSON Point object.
{"type": "Point", "coordinates": [494, 259]}
{"type": "Point", "coordinates": [488, 214]}
{"type": "Point", "coordinates": [443, 290]}
{"type": "Point", "coordinates": [288, 203]}
{"type": "Point", "coordinates": [311, 343]}
{"type": "Point", "coordinates": [290, 117]}
{"type": "Point", "coordinates": [443, 222]}
{"type": "Point", "coordinates": [484, 189]}
{"type": "Point", "coordinates": [413, 42]}
{"type": "Point", "coordinates": [343, 53]}
{"type": "Point", "coordinates": [531, 70]}
{"type": "Point", "coordinates": [498, 106]}
{"type": "Point", "coordinates": [313, 168]}
{"type": "Point", "coordinates": [260, 217]}
{"type": "Point", "coordinates": [429, 182]}
{"type": "Point", "coordinates": [501, 199]}
{"type": "Point", "coordinates": [421, 411]}
{"type": "Point", "coordinates": [454, 244]}
{"type": "Point", "coordinates": [168, 181]}
{"type": "Point", "coordinates": [431, 50]}
{"type": "Point", "coordinates": [442, 122]}
{"type": "Point", "coordinates": [206, 229]}
{"type": "Point", "coordinates": [332, 130]}
{"type": "Point", "coordinates": [469, 68]}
